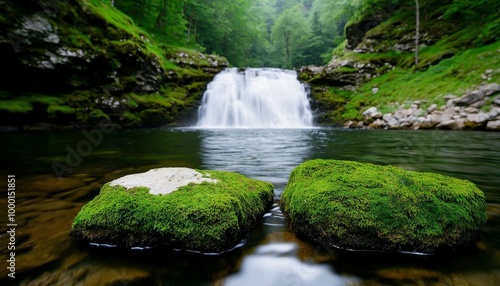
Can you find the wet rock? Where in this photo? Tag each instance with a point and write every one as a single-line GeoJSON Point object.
{"type": "Point", "coordinates": [451, 124]}
{"type": "Point", "coordinates": [349, 124]}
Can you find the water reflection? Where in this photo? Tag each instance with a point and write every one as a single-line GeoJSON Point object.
{"type": "Point", "coordinates": [264, 154]}
{"type": "Point", "coordinates": [277, 264]}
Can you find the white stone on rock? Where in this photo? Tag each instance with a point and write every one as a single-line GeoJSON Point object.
{"type": "Point", "coordinates": [162, 181]}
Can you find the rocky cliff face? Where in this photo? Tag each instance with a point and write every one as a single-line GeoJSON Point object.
{"type": "Point", "coordinates": [75, 63]}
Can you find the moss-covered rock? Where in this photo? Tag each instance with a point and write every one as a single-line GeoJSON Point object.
{"type": "Point", "coordinates": [87, 55]}
{"type": "Point", "coordinates": [369, 207]}
{"type": "Point", "coordinates": [204, 216]}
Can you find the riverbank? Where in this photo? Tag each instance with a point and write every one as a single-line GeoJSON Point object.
{"type": "Point", "coordinates": [478, 109]}
{"type": "Point", "coordinates": [376, 68]}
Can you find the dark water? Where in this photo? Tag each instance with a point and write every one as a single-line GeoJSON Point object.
{"type": "Point", "coordinates": [271, 254]}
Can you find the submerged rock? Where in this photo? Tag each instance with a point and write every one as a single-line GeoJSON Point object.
{"type": "Point", "coordinates": [207, 211]}
{"type": "Point", "coordinates": [384, 208]}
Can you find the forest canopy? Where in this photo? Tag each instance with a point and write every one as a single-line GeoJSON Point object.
{"type": "Point", "coordinates": [276, 33]}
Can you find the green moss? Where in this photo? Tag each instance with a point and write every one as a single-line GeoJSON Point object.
{"type": "Point", "coordinates": [53, 109]}
{"type": "Point", "coordinates": [95, 117]}
{"type": "Point", "coordinates": [346, 70]}
{"type": "Point", "coordinates": [153, 100]}
{"type": "Point", "coordinates": [204, 217]}
{"type": "Point", "coordinates": [130, 120]}
{"type": "Point", "coordinates": [18, 105]}
{"type": "Point", "coordinates": [24, 104]}
{"type": "Point", "coordinates": [364, 206]}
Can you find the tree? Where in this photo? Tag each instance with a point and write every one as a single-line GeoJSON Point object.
{"type": "Point", "coordinates": [289, 36]}
{"type": "Point", "coordinates": [417, 30]}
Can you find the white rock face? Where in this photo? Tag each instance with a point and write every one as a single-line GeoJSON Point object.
{"type": "Point", "coordinates": [162, 181]}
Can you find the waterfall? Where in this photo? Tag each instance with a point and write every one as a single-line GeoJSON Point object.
{"type": "Point", "coordinates": [255, 98]}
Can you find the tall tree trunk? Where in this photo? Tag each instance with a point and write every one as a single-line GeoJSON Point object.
{"type": "Point", "coordinates": [161, 20]}
{"type": "Point", "coordinates": [417, 31]}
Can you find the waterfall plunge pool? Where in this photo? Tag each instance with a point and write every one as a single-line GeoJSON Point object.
{"type": "Point", "coordinates": [271, 254]}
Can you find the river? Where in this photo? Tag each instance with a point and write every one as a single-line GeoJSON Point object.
{"type": "Point", "coordinates": [271, 254]}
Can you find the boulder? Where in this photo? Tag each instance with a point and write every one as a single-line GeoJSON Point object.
{"type": "Point", "coordinates": [207, 211]}
{"type": "Point", "coordinates": [493, 125]}
{"type": "Point", "coordinates": [383, 208]}
{"type": "Point", "coordinates": [370, 111]}
{"type": "Point", "coordinates": [496, 100]}
{"type": "Point", "coordinates": [469, 98]}
{"type": "Point", "coordinates": [489, 89]}
{"type": "Point", "coordinates": [393, 123]}
{"type": "Point", "coordinates": [378, 124]}
{"type": "Point", "coordinates": [451, 124]}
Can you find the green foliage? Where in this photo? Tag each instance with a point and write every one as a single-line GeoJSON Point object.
{"type": "Point", "coordinates": [204, 217]}
{"type": "Point", "coordinates": [289, 35]}
{"type": "Point", "coordinates": [469, 9]}
{"type": "Point", "coordinates": [241, 30]}
{"type": "Point", "coordinates": [364, 206]}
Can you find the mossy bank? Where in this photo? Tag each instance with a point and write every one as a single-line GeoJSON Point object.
{"type": "Point", "coordinates": [368, 207]}
{"type": "Point", "coordinates": [75, 63]}
{"type": "Point", "coordinates": [206, 217]}
{"type": "Point", "coordinates": [375, 66]}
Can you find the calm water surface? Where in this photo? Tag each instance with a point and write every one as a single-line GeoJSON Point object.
{"type": "Point", "coordinates": [271, 254]}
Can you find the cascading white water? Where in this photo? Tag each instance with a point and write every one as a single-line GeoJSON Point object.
{"type": "Point", "coordinates": [255, 98]}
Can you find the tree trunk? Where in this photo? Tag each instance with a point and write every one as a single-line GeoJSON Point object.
{"type": "Point", "coordinates": [417, 31]}
{"type": "Point", "coordinates": [287, 49]}
{"type": "Point", "coordinates": [161, 20]}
